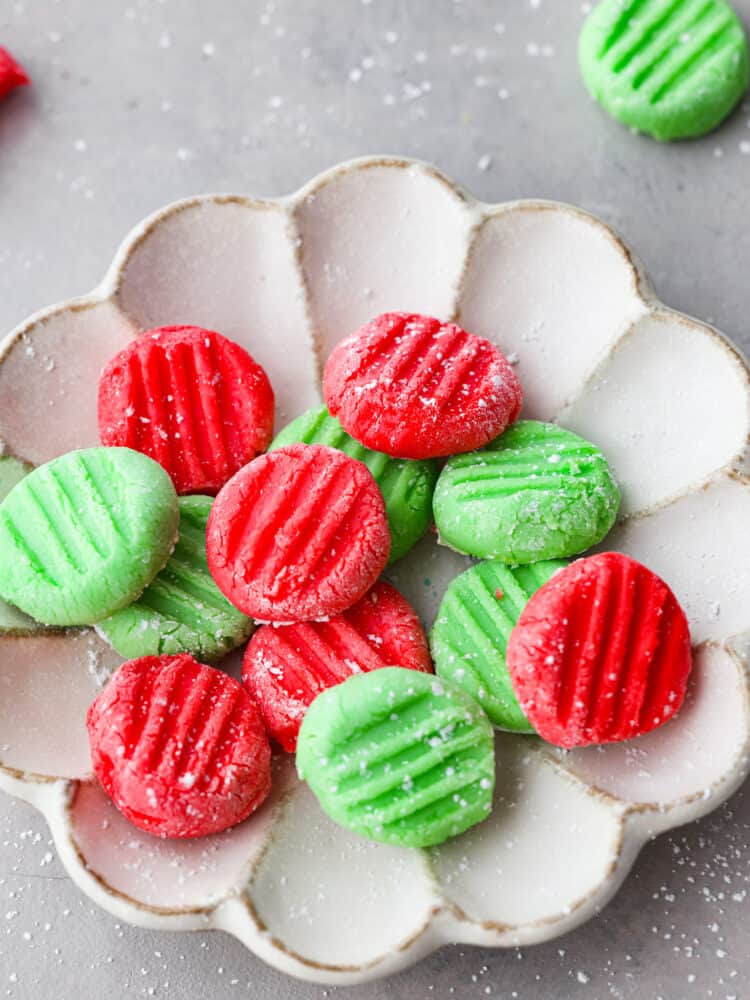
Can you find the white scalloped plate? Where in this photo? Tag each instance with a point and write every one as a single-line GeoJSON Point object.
{"type": "Point", "coordinates": [666, 397]}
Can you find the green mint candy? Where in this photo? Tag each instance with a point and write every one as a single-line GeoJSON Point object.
{"type": "Point", "coordinates": [536, 492]}
{"type": "Point", "coordinates": [670, 68]}
{"type": "Point", "coordinates": [470, 635]}
{"type": "Point", "coordinates": [85, 534]}
{"type": "Point", "coordinates": [182, 610]}
{"type": "Point", "coordinates": [12, 620]}
{"type": "Point", "coordinates": [399, 757]}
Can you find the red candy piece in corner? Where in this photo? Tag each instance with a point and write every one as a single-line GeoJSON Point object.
{"type": "Point", "coordinates": [12, 74]}
{"type": "Point", "coordinates": [179, 747]}
{"type": "Point", "coordinates": [600, 653]}
{"type": "Point", "coordinates": [287, 666]}
{"type": "Point", "coordinates": [299, 533]}
{"type": "Point", "coordinates": [192, 400]}
{"type": "Point", "coordinates": [413, 387]}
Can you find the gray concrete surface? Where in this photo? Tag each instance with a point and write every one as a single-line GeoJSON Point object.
{"type": "Point", "coordinates": [141, 102]}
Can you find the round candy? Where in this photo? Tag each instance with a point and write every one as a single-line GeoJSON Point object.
{"type": "Point", "coordinates": [470, 635]}
{"type": "Point", "coordinates": [84, 534]}
{"type": "Point", "coordinates": [601, 653]}
{"type": "Point", "coordinates": [537, 492]}
{"type": "Point", "coordinates": [179, 747]}
{"type": "Point", "coordinates": [399, 756]}
{"type": "Point", "coordinates": [671, 69]}
{"type": "Point", "coordinates": [194, 401]}
{"type": "Point", "coordinates": [12, 620]}
{"type": "Point", "coordinates": [407, 487]}
{"type": "Point", "coordinates": [300, 533]}
{"type": "Point", "coordinates": [287, 666]}
{"type": "Point", "coordinates": [12, 74]}
{"type": "Point", "coordinates": [182, 610]}
{"type": "Point", "coordinates": [413, 387]}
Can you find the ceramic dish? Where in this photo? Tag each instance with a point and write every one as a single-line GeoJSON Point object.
{"type": "Point", "coordinates": [666, 397]}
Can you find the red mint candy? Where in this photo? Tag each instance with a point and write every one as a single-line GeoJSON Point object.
{"type": "Point", "coordinates": [192, 400]}
{"type": "Point", "coordinates": [179, 747]}
{"type": "Point", "coordinates": [299, 533]}
{"type": "Point", "coordinates": [600, 653]}
{"type": "Point", "coordinates": [12, 74]}
{"type": "Point", "coordinates": [287, 666]}
{"type": "Point", "coordinates": [414, 387]}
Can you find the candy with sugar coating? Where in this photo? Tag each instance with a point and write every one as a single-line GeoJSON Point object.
{"type": "Point", "coordinates": [179, 747]}
{"type": "Point", "coordinates": [287, 666]}
{"type": "Point", "coordinates": [12, 73]}
{"type": "Point", "coordinates": [182, 610]}
{"type": "Point", "coordinates": [399, 757]}
{"type": "Point", "coordinates": [407, 486]}
{"type": "Point", "coordinates": [672, 70]}
{"type": "Point", "coordinates": [413, 387]}
{"type": "Point", "coordinates": [193, 400]}
{"type": "Point", "coordinates": [470, 636]}
{"type": "Point", "coordinates": [536, 492]}
{"type": "Point", "coordinates": [85, 534]}
{"type": "Point", "coordinates": [12, 620]}
{"type": "Point", "coordinates": [300, 533]}
{"type": "Point", "coordinates": [601, 653]}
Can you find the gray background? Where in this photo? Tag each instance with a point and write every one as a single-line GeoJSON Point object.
{"type": "Point", "coordinates": [136, 104]}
